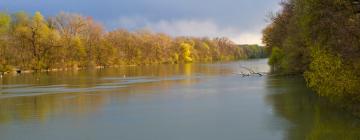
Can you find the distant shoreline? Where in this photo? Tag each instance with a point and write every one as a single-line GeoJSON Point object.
{"type": "Point", "coordinates": [15, 72]}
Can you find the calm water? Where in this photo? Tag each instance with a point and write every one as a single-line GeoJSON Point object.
{"type": "Point", "coordinates": [167, 102]}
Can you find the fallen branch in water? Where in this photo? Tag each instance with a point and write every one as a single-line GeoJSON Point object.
{"type": "Point", "coordinates": [251, 72]}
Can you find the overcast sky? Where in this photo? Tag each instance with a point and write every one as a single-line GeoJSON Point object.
{"type": "Point", "coordinates": [240, 20]}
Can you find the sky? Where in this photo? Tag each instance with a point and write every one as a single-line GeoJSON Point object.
{"type": "Point", "coordinates": [240, 20]}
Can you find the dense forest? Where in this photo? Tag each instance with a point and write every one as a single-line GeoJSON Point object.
{"type": "Point", "coordinates": [33, 42]}
{"type": "Point", "coordinates": [321, 40]}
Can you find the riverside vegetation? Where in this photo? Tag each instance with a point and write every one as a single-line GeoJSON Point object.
{"type": "Point", "coordinates": [321, 40]}
{"type": "Point", "coordinates": [74, 41]}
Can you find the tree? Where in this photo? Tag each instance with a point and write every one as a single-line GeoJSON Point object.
{"type": "Point", "coordinates": [71, 28]}
{"type": "Point", "coordinates": [276, 59]}
{"type": "Point", "coordinates": [320, 39]}
{"type": "Point", "coordinates": [93, 36]}
{"type": "Point", "coordinates": [19, 39]}
{"type": "Point", "coordinates": [39, 40]}
{"type": "Point", "coordinates": [5, 20]}
{"type": "Point", "coordinates": [74, 41]}
{"type": "Point", "coordinates": [186, 52]}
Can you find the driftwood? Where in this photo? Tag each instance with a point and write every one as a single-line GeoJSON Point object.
{"type": "Point", "coordinates": [251, 72]}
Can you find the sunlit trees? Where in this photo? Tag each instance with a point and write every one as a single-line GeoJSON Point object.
{"type": "Point", "coordinates": [118, 39]}
{"type": "Point", "coordinates": [186, 52]}
{"type": "Point", "coordinates": [93, 36]}
{"type": "Point", "coordinates": [42, 40]}
{"type": "Point", "coordinates": [71, 28]}
{"type": "Point", "coordinates": [5, 20]}
{"type": "Point", "coordinates": [21, 56]}
{"type": "Point", "coordinates": [4, 29]}
{"type": "Point", "coordinates": [37, 38]}
{"type": "Point", "coordinates": [202, 50]}
{"type": "Point", "coordinates": [68, 41]}
{"type": "Point", "coordinates": [225, 49]}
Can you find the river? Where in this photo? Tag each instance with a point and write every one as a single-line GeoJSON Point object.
{"type": "Point", "coordinates": [168, 102]}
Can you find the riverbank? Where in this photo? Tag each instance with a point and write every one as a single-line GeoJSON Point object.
{"type": "Point", "coordinates": [18, 71]}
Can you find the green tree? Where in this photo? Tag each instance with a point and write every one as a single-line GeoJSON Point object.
{"type": "Point", "coordinates": [320, 39]}
{"type": "Point", "coordinates": [276, 59]}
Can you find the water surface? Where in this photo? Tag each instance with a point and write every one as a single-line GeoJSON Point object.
{"type": "Point", "coordinates": [168, 102]}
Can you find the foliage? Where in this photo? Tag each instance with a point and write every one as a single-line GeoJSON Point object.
{"type": "Point", "coordinates": [320, 38]}
{"type": "Point", "coordinates": [74, 41]}
{"type": "Point", "coordinates": [330, 76]}
{"type": "Point", "coordinates": [276, 58]}
{"type": "Point", "coordinates": [4, 28]}
{"type": "Point", "coordinates": [5, 20]}
{"type": "Point", "coordinates": [185, 52]}
{"type": "Point", "coordinates": [254, 51]}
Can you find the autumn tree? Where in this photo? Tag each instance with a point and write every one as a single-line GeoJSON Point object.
{"type": "Point", "coordinates": [73, 41]}
{"type": "Point", "coordinates": [186, 52]}
{"type": "Point", "coordinates": [5, 20]}
{"type": "Point", "coordinates": [93, 36]}
{"type": "Point", "coordinates": [39, 40]}
{"type": "Point", "coordinates": [71, 28]}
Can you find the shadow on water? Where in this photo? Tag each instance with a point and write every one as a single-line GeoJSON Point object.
{"type": "Point", "coordinates": [310, 117]}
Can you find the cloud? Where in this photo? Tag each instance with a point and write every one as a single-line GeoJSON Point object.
{"type": "Point", "coordinates": [132, 23]}
{"type": "Point", "coordinates": [248, 38]}
{"type": "Point", "coordinates": [199, 28]}
{"type": "Point", "coordinates": [192, 27]}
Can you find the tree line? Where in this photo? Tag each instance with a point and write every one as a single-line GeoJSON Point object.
{"type": "Point", "coordinates": [321, 40]}
{"type": "Point", "coordinates": [66, 40]}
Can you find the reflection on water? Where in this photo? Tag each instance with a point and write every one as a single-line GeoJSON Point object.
{"type": "Point", "coordinates": [98, 80]}
{"type": "Point", "coordinates": [167, 102]}
{"type": "Point", "coordinates": [35, 97]}
{"type": "Point", "coordinates": [311, 117]}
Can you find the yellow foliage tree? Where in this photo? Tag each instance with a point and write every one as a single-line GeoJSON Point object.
{"type": "Point", "coordinates": [186, 52]}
